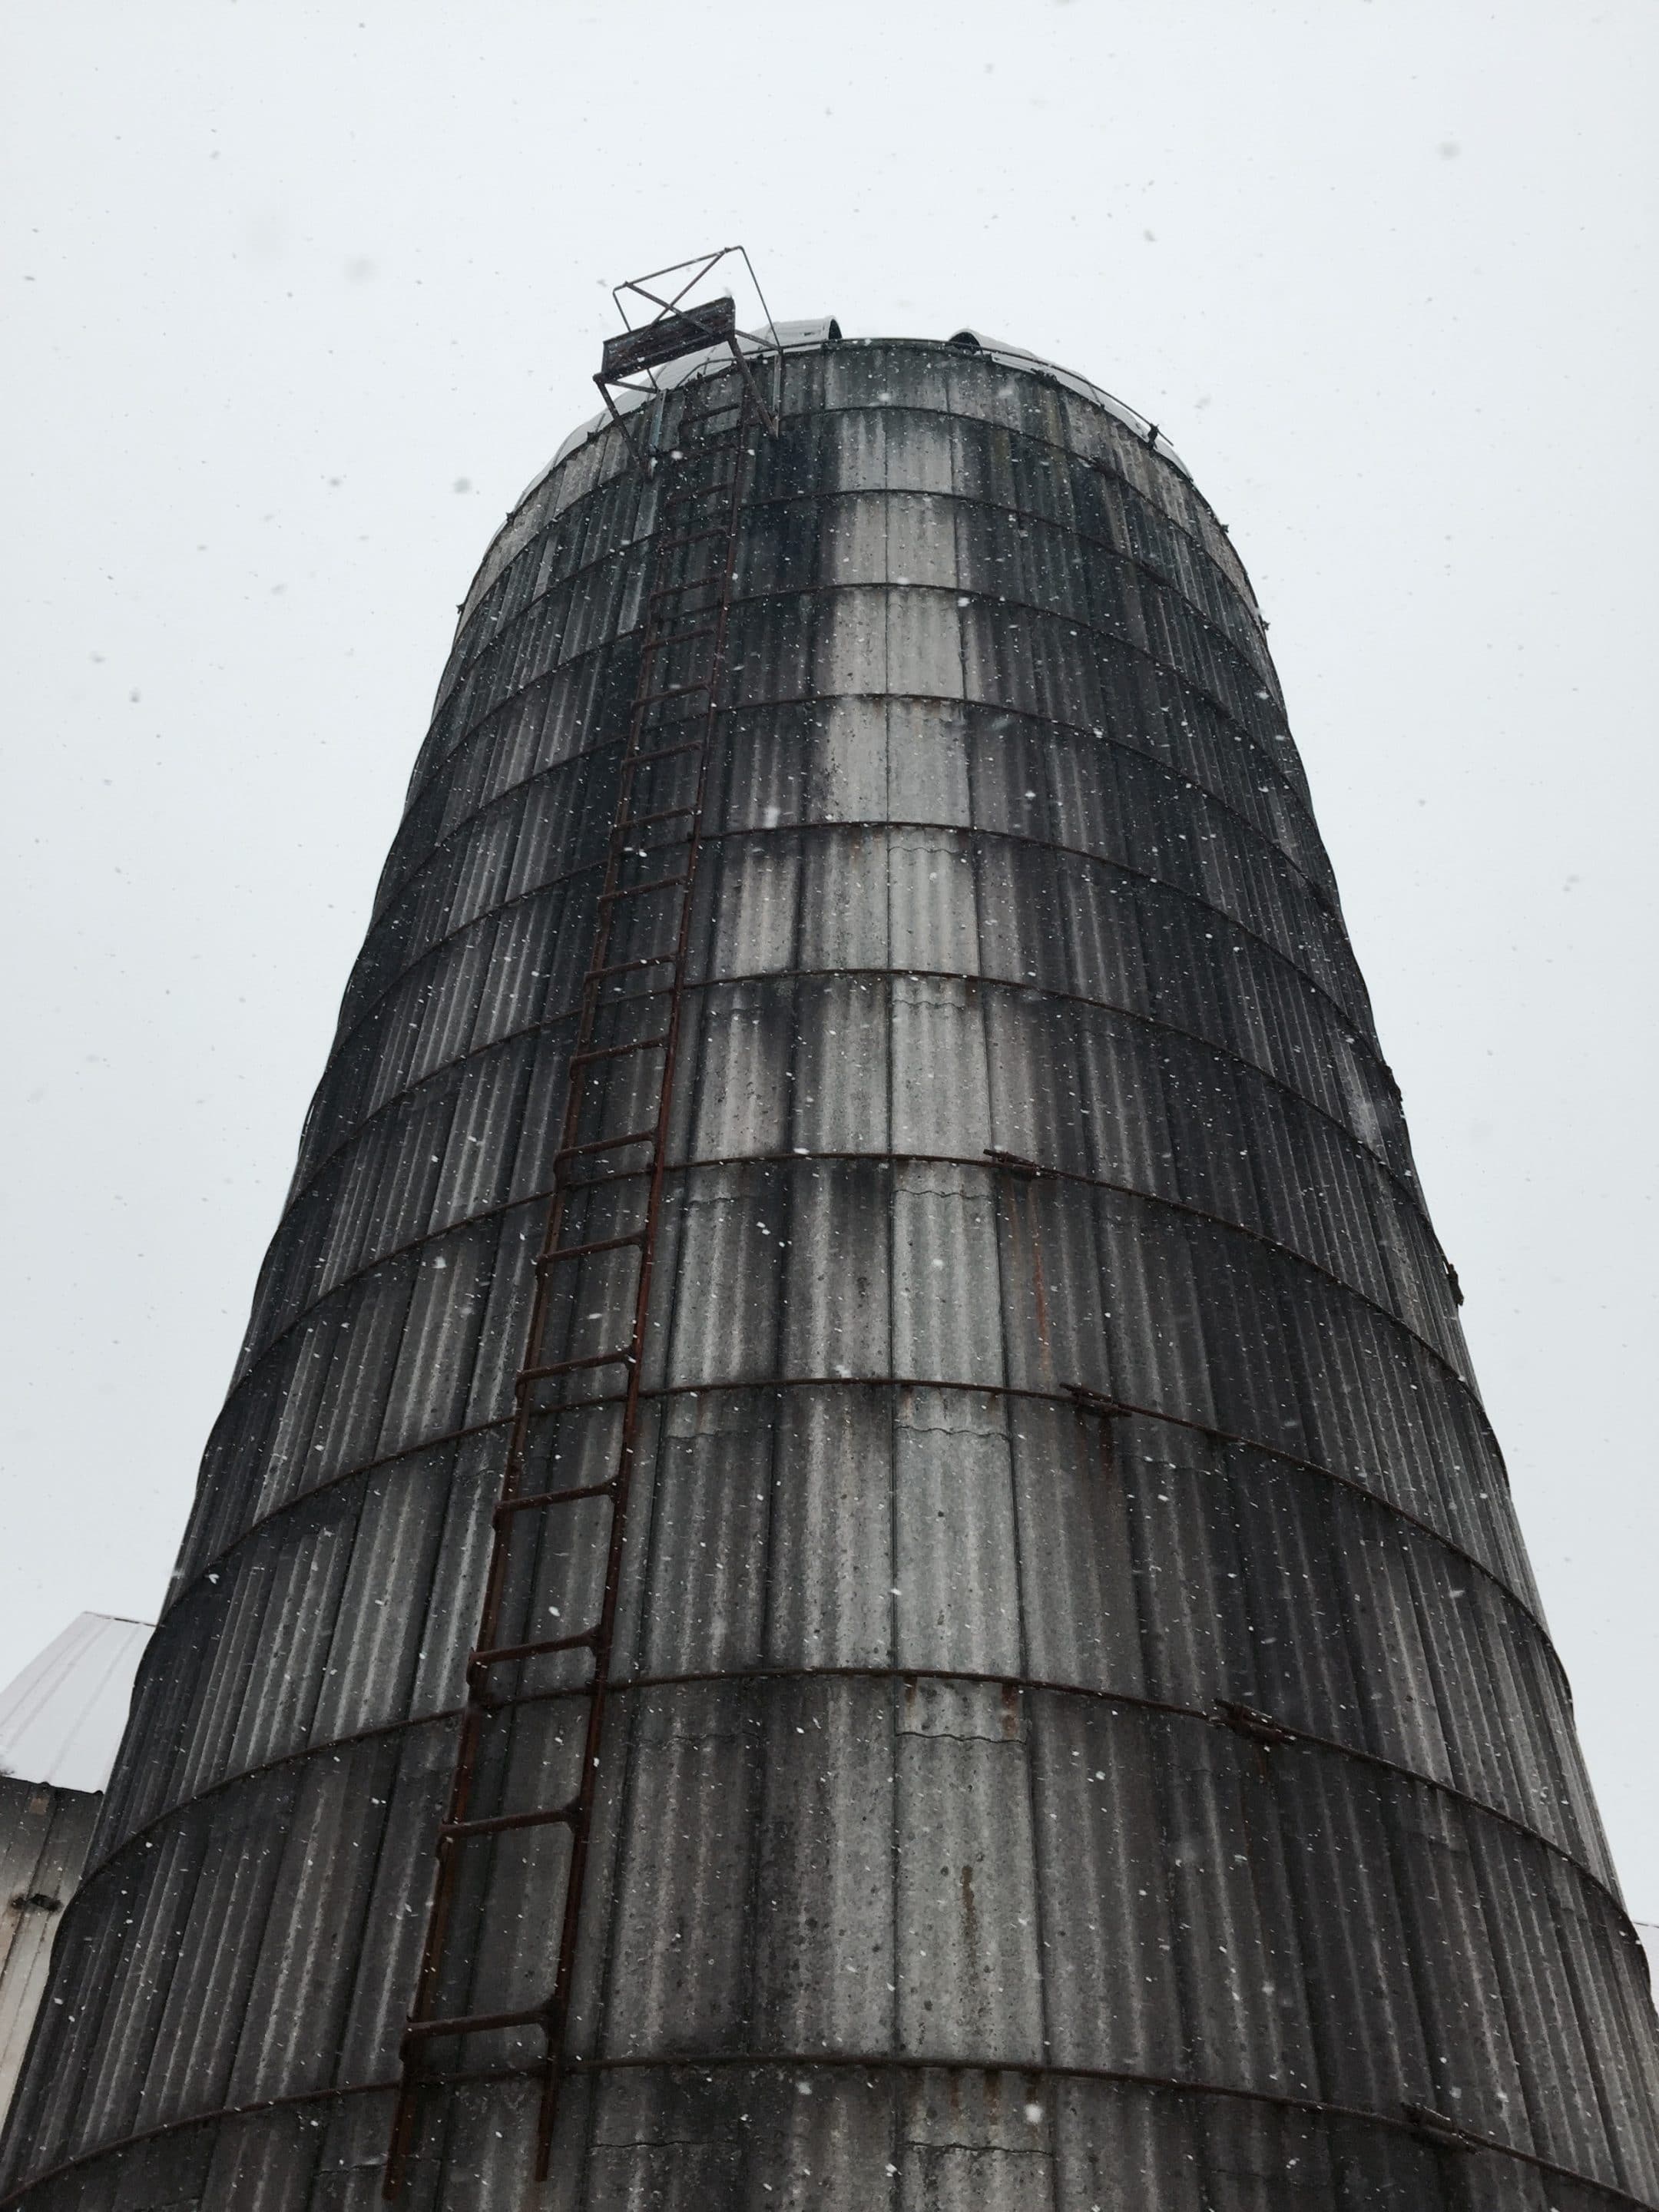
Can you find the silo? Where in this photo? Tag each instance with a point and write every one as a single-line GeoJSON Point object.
{"type": "Point", "coordinates": [60, 1723]}
{"type": "Point", "coordinates": [857, 1251]}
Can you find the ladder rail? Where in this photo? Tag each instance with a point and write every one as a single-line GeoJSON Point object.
{"type": "Point", "coordinates": [425, 2023]}
{"type": "Point", "coordinates": [559, 2015]}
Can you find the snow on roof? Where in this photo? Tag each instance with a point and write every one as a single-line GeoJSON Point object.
{"type": "Point", "coordinates": [61, 1719]}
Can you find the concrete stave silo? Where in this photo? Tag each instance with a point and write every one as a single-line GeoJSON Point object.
{"type": "Point", "coordinates": [1078, 1728]}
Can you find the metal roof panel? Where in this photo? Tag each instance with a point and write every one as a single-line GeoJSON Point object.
{"type": "Point", "coordinates": [61, 1719]}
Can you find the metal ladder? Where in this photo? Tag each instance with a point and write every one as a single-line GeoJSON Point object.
{"type": "Point", "coordinates": [598, 1252]}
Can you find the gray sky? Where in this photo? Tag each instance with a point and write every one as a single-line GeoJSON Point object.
{"type": "Point", "coordinates": [301, 296]}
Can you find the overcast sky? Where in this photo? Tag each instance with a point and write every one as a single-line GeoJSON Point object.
{"type": "Point", "coordinates": [300, 297]}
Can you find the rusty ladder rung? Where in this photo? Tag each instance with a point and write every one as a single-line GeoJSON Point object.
{"type": "Point", "coordinates": [589, 1360]}
{"type": "Point", "coordinates": [674, 545]}
{"type": "Point", "coordinates": [615, 1051]}
{"type": "Point", "coordinates": [547, 1498]}
{"type": "Point", "coordinates": [689, 497]}
{"type": "Point", "coordinates": [504, 1655]}
{"type": "Point", "coordinates": [605, 1144]}
{"type": "Point", "coordinates": [635, 998]}
{"type": "Point", "coordinates": [664, 752]}
{"type": "Point", "coordinates": [638, 890]}
{"type": "Point", "coordinates": [475, 2023]}
{"type": "Point", "coordinates": [496, 1824]}
{"type": "Point", "coordinates": [680, 637]}
{"type": "Point", "coordinates": [674, 691]}
{"type": "Point", "coordinates": [647, 821]}
{"type": "Point", "coordinates": [625, 966]}
{"type": "Point", "coordinates": [604, 1179]}
{"type": "Point", "coordinates": [585, 1251]}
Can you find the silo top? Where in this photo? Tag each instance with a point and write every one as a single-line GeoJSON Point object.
{"type": "Point", "coordinates": [824, 330]}
{"type": "Point", "coordinates": [812, 335]}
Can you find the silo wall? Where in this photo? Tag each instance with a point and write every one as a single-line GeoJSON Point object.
{"type": "Point", "coordinates": [1080, 1731]}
